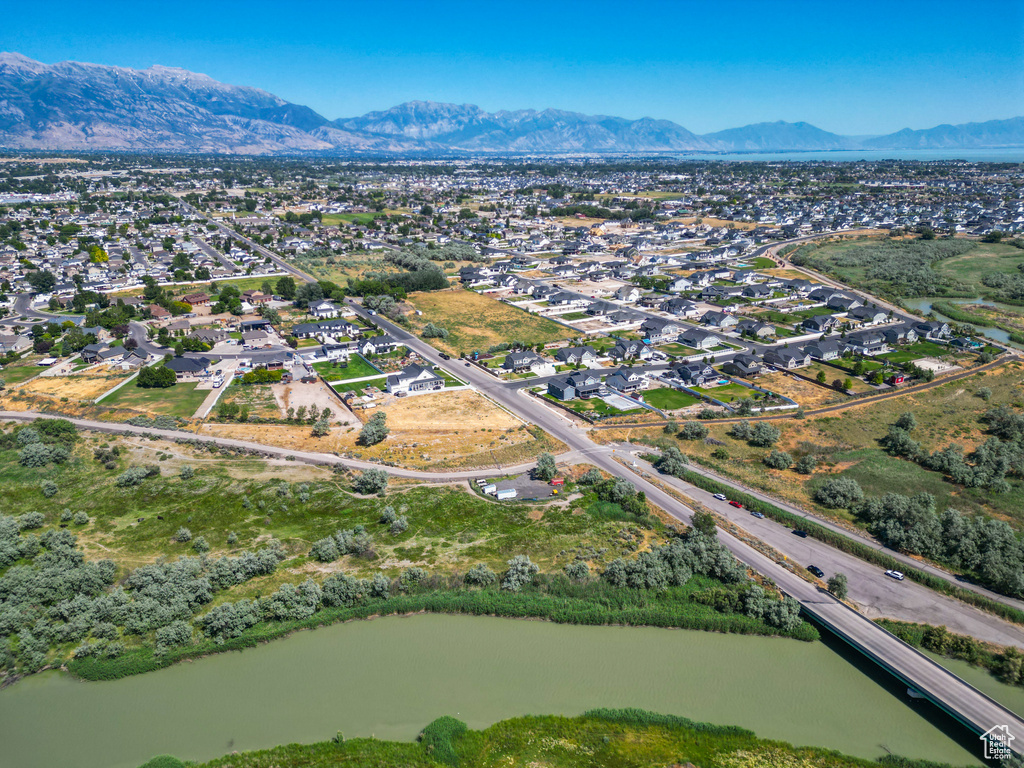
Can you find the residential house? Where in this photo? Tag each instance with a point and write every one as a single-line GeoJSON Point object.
{"type": "Point", "coordinates": [581, 384]}
{"type": "Point", "coordinates": [842, 302]}
{"type": "Point", "coordinates": [718, 320]}
{"type": "Point", "coordinates": [525, 360]}
{"type": "Point", "coordinates": [820, 323]}
{"type": "Point", "coordinates": [825, 349]}
{"type": "Point", "coordinates": [680, 307]}
{"type": "Point", "coordinates": [627, 381]}
{"type": "Point", "coordinates": [13, 343]}
{"type": "Point", "coordinates": [900, 334]}
{"type": "Point", "coordinates": [197, 299]}
{"type": "Point", "coordinates": [414, 378]}
{"type": "Point", "coordinates": [576, 355]}
{"type": "Point", "coordinates": [695, 374]}
{"type": "Point", "coordinates": [934, 329]}
{"type": "Point", "coordinates": [256, 297]}
{"type": "Point", "coordinates": [627, 293]}
{"type": "Point", "coordinates": [757, 292]}
{"type": "Point", "coordinates": [755, 328]}
{"type": "Point", "coordinates": [379, 345]}
{"type": "Point", "coordinates": [656, 331]}
{"type": "Point", "coordinates": [867, 315]}
{"type": "Point", "coordinates": [189, 367]}
{"type": "Point", "coordinates": [630, 350]}
{"type": "Point", "coordinates": [210, 336]}
{"type": "Point", "coordinates": [324, 309]}
{"type": "Point", "coordinates": [698, 339]}
{"type": "Point", "coordinates": [867, 343]}
{"type": "Point", "coordinates": [787, 358]}
{"type": "Point", "coordinates": [743, 365]}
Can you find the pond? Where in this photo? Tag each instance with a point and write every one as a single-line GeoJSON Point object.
{"type": "Point", "coordinates": [390, 677]}
{"type": "Point", "coordinates": [924, 306]}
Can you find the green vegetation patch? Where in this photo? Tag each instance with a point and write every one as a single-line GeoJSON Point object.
{"type": "Point", "coordinates": [181, 399]}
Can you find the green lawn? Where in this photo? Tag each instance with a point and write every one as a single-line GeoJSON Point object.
{"type": "Point", "coordinates": [668, 399]}
{"type": "Point", "coordinates": [333, 219]}
{"type": "Point", "coordinates": [20, 370]}
{"type": "Point", "coordinates": [180, 400]}
{"type": "Point", "coordinates": [574, 316]}
{"type": "Point", "coordinates": [360, 386]}
{"type": "Point", "coordinates": [762, 262]}
{"type": "Point", "coordinates": [727, 392]}
{"type": "Point", "coordinates": [357, 369]}
{"type": "Point", "coordinates": [915, 351]}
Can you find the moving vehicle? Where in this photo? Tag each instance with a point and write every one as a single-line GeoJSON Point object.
{"type": "Point", "coordinates": [443, 356]}
{"type": "Point", "coordinates": [801, 534]}
{"type": "Point", "coordinates": [758, 515]}
{"type": "Point", "coordinates": [895, 575]}
{"type": "Point", "coordinates": [720, 496]}
{"type": "Point", "coordinates": [468, 365]}
{"type": "Point", "coordinates": [735, 504]}
{"type": "Point", "coordinates": [816, 571]}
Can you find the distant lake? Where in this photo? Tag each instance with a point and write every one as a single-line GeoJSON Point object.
{"type": "Point", "coordinates": [1011, 155]}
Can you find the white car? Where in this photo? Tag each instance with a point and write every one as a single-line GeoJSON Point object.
{"type": "Point", "coordinates": [894, 575]}
{"type": "Point", "coordinates": [720, 496]}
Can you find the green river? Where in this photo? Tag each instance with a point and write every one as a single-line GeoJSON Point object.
{"type": "Point", "coordinates": [392, 676]}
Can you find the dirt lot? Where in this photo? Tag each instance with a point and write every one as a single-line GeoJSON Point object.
{"type": "Point", "coordinates": [85, 387]}
{"type": "Point", "coordinates": [296, 395]}
{"type": "Point", "coordinates": [451, 429]}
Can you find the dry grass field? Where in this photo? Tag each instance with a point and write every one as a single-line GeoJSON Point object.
{"type": "Point", "coordinates": [475, 321]}
{"type": "Point", "coordinates": [449, 429]}
{"type": "Point", "coordinates": [808, 395]}
{"type": "Point", "coordinates": [87, 386]}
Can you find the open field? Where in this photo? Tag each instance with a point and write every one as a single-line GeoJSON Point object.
{"type": "Point", "coordinates": [334, 219]}
{"type": "Point", "coordinates": [805, 393]}
{"type": "Point", "coordinates": [242, 283]}
{"type": "Point", "coordinates": [180, 400]}
{"type": "Point", "coordinates": [79, 387]}
{"type": "Point", "coordinates": [847, 444]}
{"type": "Point", "coordinates": [478, 322]}
{"type": "Point", "coordinates": [986, 258]}
{"type": "Point", "coordinates": [445, 429]}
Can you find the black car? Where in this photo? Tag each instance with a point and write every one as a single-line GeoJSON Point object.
{"type": "Point", "coordinates": [443, 356]}
{"type": "Point", "coordinates": [801, 534]}
{"type": "Point", "coordinates": [816, 571]}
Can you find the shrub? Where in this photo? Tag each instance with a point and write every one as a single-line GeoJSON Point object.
{"type": "Point", "coordinates": [325, 550]}
{"type": "Point", "coordinates": [200, 545]}
{"type": "Point", "coordinates": [135, 475]}
{"type": "Point", "coordinates": [371, 481]}
{"type": "Point", "coordinates": [380, 586]}
{"type": "Point", "coordinates": [521, 571]}
{"type": "Point", "coordinates": [839, 493]}
{"type": "Point", "coordinates": [480, 575]}
{"type": "Point", "coordinates": [401, 525]}
{"type": "Point", "coordinates": [183, 535]}
{"type": "Point", "coordinates": [777, 460]}
{"type": "Point", "coordinates": [693, 430]}
{"type": "Point", "coordinates": [578, 571]}
{"type": "Point", "coordinates": [672, 462]}
{"type": "Point", "coordinates": [187, 473]}
{"type": "Point", "coordinates": [34, 455]}
{"type": "Point", "coordinates": [410, 577]}
{"type": "Point", "coordinates": [81, 518]}
{"type": "Point", "coordinates": [375, 430]}
{"type": "Point", "coordinates": [439, 738]}
{"type": "Point", "coordinates": [232, 538]}
{"type": "Point", "coordinates": [31, 520]}
{"type": "Point", "coordinates": [591, 477]}
{"type": "Point", "coordinates": [806, 465]}
{"type": "Point", "coordinates": [27, 436]}
{"type": "Point", "coordinates": [671, 428]}
{"type": "Point", "coordinates": [322, 427]}
{"type": "Point", "coordinates": [764, 435]}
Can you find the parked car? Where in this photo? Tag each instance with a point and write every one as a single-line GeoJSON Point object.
{"type": "Point", "coordinates": [801, 534]}
{"type": "Point", "coordinates": [894, 575]}
{"type": "Point", "coordinates": [816, 571]}
{"type": "Point", "coordinates": [720, 496]}
{"type": "Point", "coordinates": [735, 504]}
{"type": "Point", "coordinates": [758, 514]}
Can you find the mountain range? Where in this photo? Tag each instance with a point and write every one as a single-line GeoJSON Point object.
{"type": "Point", "coordinates": [76, 106]}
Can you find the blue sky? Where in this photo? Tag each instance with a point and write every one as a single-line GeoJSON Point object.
{"type": "Point", "coordinates": [849, 67]}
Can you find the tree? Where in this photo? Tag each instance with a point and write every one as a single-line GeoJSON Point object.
{"type": "Point", "coordinates": [322, 427]}
{"type": "Point", "coordinates": [704, 524]}
{"type": "Point", "coordinates": [839, 493]}
{"type": "Point", "coordinates": [546, 468]}
{"type": "Point", "coordinates": [821, 377]}
{"type": "Point", "coordinates": [286, 288]}
{"type": "Point", "coordinates": [838, 586]}
{"type": "Point", "coordinates": [741, 430]}
{"type": "Point", "coordinates": [371, 481]}
{"type": "Point", "coordinates": [775, 459]}
{"type": "Point", "coordinates": [577, 570]}
{"type": "Point", "coordinates": [693, 430]}
{"type": "Point", "coordinates": [156, 376]}
{"type": "Point", "coordinates": [907, 421]}
{"type": "Point", "coordinates": [520, 573]}
{"type": "Point", "coordinates": [672, 462]}
{"type": "Point", "coordinates": [764, 435]}
{"type": "Point", "coordinates": [671, 428]}
{"type": "Point", "coordinates": [375, 430]}
{"type": "Point", "coordinates": [480, 575]}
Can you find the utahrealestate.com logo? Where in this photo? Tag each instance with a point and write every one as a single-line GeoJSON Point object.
{"type": "Point", "coordinates": [997, 743]}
